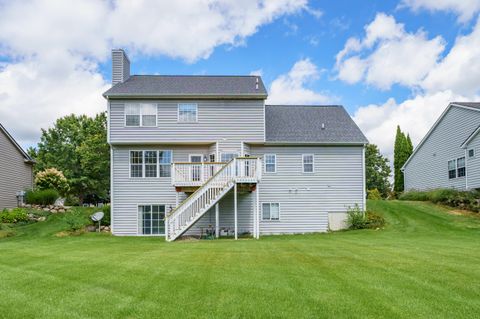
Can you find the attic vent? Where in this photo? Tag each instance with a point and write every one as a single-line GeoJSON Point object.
{"type": "Point", "coordinates": [323, 126]}
{"type": "Point", "coordinates": [256, 84]}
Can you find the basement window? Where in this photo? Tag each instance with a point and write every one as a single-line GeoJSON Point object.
{"type": "Point", "coordinates": [270, 211]}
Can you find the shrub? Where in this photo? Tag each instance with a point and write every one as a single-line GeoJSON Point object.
{"type": "Point", "coordinates": [106, 217]}
{"type": "Point", "coordinates": [51, 178]}
{"type": "Point", "coordinates": [72, 201]}
{"type": "Point", "coordinates": [76, 219]}
{"type": "Point", "coordinates": [15, 215]}
{"type": "Point", "coordinates": [374, 220]}
{"type": "Point", "coordinates": [41, 197]}
{"type": "Point", "coordinates": [374, 194]}
{"type": "Point", "coordinates": [459, 199]}
{"type": "Point", "coordinates": [356, 218]}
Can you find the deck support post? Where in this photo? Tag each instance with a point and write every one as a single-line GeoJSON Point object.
{"type": "Point", "coordinates": [235, 209]}
{"type": "Point", "coordinates": [217, 221]}
{"type": "Point", "coordinates": [257, 209]}
{"type": "Point", "coordinates": [176, 199]}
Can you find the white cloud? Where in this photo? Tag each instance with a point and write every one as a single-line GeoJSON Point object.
{"type": "Point", "coordinates": [465, 9]}
{"type": "Point", "coordinates": [292, 88]}
{"type": "Point", "coordinates": [384, 56]}
{"type": "Point", "coordinates": [258, 72]}
{"type": "Point", "coordinates": [54, 48]}
{"type": "Point", "coordinates": [453, 78]}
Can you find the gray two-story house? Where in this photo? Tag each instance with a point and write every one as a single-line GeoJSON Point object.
{"type": "Point", "coordinates": [449, 155]}
{"type": "Point", "coordinates": [204, 154]}
{"type": "Point", "coordinates": [16, 170]}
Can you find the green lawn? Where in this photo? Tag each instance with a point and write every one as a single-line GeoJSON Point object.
{"type": "Point", "coordinates": [425, 264]}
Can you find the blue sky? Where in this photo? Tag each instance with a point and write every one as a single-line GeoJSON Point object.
{"type": "Point", "coordinates": [396, 62]}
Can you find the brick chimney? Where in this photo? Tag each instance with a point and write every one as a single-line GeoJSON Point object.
{"type": "Point", "coordinates": [120, 66]}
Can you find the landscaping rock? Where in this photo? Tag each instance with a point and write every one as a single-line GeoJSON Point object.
{"type": "Point", "coordinates": [41, 219]}
{"type": "Point", "coordinates": [91, 228]}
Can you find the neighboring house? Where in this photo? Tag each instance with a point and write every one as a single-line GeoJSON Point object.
{"type": "Point", "coordinates": [16, 170]}
{"type": "Point", "coordinates": [449, 155]}
{"type": "Point", "coordinates": [252, 168]}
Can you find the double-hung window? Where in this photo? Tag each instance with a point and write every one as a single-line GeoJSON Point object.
{"type": "Point", "coordinates": [307, 161]}
{"type": "Point", "coordinates": [187, 112]}
{"type": "Point", "coordinates": [270, 211]}
{"type": "Point", "coordinates": [152, 219]}
{"type": "Point", "coordinates": [270, 163]}
{"type": "Point", "coordinates": [136, 163]}
{"type": "Point", "coordinates": [461, 167]}
{"type": "Point", "coordinates": [140, 114]}
{"type": "Point", "coordinates": [452, 169]}
{"type": "Point", "coordinates": [150, 163]}
{"type": "Point", "coordinates": [165, 160]}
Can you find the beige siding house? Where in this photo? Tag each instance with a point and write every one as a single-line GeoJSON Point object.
{"type": "Point", "coordinates": [16, 170]}
{"type": "Point", "coordinates": [193, 155]}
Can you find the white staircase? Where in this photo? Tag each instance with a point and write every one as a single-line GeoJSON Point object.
{"type": "Point", "coordinates": [238, 170]}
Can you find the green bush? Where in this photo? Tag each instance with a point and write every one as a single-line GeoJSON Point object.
{"type": "Point", "coordinates": [71, 200]}
{"type": "Point", "coordinates": [106, 217]}
{"type": "Point", "coordinates": [13, 216]}
{"type": "Point", "coordinates": [51, 178]}
{"type": "Point", "coordinates": [76, 219]}
{"type": "Point", "coordinates": [374, 220]}
{"type": "Point", "coordinates": [356, 218]}
{"type": "Point", "coordinates": [374, 194]}
{"type": "Point", "coordinates": [41, 197]}
{"type": "Point", "coordinates": [458, 199]}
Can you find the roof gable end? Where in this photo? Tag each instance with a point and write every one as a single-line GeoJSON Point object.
{"type": "Point", "coordinates": [17, 146]}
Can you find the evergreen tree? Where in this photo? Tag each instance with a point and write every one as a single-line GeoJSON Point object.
{"type": "Point", "coordinates": [403, 148]}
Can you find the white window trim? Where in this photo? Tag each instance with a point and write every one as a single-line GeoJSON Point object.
{"type": "Point", "coordinates": [141, 113]}
{"type": "Point", "coordinates": [191, 155]}
{"type": "Point", "coordinates": [138, 221]}
{"type": "Point", "coordinates": [143, 164]}
{"type": "Point", "coordinates": [279, 212]}
{"type": "Point", "coordinates": [448, 169]}
{"type": "Point", "coordinates": [178, 113]}
{"type": "Point", "coordinates": [265, 163]}
{"type": "Point", "coordinates": [303, 163]}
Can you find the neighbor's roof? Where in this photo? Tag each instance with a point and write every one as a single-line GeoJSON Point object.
{"type": "Point", "coordinates": [27, 157]}
{"type": "Point", "coordinates": [185, 86]}
{"type": "Point", "coordinates": [303, 123]}
{"type": "Point", "coordinates": [471, 137]}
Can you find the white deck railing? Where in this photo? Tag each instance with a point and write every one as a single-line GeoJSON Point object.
{"type": "Point", "coordinates": [194, 174]}
{"type": "Point", "coordinates": [241, 170]}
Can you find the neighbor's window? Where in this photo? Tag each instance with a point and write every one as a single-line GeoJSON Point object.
{"type": "Point", "coordinates": [452, 169]}
{"type": "Point", "coordinates": [270, 163]}
{"type": "Point", "coordinates": [140, 114]}
{"type": "Point", "coordinates": [150, 163]}
{"type": "Point", "coordinates": [307, 160]}
{"type": "Point", "coordinates": [270, 211]}
{"type": "Point", "coordinates": [187, 112]}
{"type": "Point", "coordinates": [461, 167]}
{"type": "Point", "coordinates": [152, 219]}
{"type": "Point", "coordinates": [471, 153]}
{"type": "Point", "coordinates": [165, 159]}
{"type": "Point", "coordinates": [136, 163]}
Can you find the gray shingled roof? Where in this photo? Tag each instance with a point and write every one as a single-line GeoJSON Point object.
{"type": "Point", "coordinates": [475, 105]}
{"type": "Point", "coordinates": [303, 123]}
{"type": "Point", "coordinates": [186, 85]}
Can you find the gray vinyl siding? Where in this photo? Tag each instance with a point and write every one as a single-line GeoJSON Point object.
{"type": "Point", "coordinates": [129, 192]}
{"type": "Point", "coordinates": [228, 122]}
{"type": "Point", "coordinates": [428, 167]}
{"type": "Point", "coordinates": [15, 174]}
{"type": "Point", "coordinates": [473, 164]}
{"type": "Point", "coordinates": [306, 199]}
